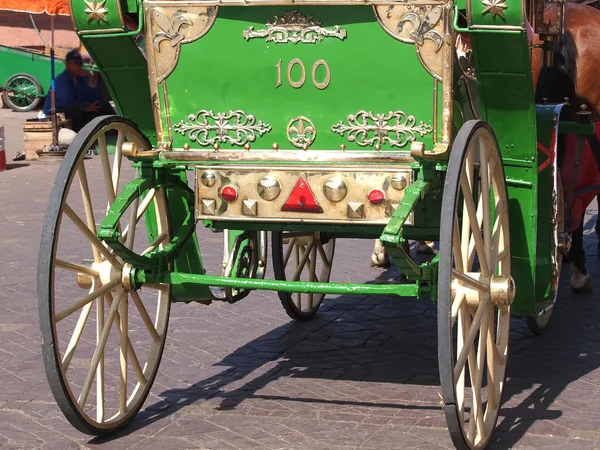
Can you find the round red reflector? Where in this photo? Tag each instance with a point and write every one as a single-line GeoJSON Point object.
{"type": "Point", "coordinates": [376, 197]}
{"type": "Point", "coordinates": [229, 193]}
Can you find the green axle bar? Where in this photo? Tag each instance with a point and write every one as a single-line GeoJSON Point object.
{"type": "Point", "coordinates": [304, 287]}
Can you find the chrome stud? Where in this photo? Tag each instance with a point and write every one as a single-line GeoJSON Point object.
{"type": "Point", "coordinates": [335, 189]}
{"type": "Point", "coordinates": [208, 178]}
{"type": "Point", "coordinates": [399, 182]}
{"type": "Point", "coordinates": [268, 188]}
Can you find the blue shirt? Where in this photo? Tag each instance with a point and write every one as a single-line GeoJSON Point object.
{"type": "Point", "coordinates": [68, 92]}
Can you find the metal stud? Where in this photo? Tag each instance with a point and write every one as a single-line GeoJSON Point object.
{"type": "Point", "coordinates": [335, 189]}
{"type": "Point", "coordinates": [247, 147]}
{"type": "Point", "coordinates": [249, 207]}
{"type": "Point", "coordinates": [356, 210]}
{"type": "Point", "coordinates": [186, 146]}
{"type": "Point", "coordinates": [208, 206]}
{"type": "Point", "coordinates": [399, 182]}
{"type": "Point", "coordinates": [208, 178]}
{"type": "Point", "coordinates": [269, 188]}
{"type": "Point", "coordinates": [275, 146]}
{"type": "Point", "coordinates": [378, 147]}
{"type": "Point", "coordinates": [217, 147]}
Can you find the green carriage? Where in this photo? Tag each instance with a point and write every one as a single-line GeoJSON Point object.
{"type": "Point", "coordinates": [305, 121]}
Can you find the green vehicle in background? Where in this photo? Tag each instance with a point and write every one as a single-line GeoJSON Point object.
{"type": "Point", "coordinates": [25, 77]}
{"type": "Point", "coordinates": [300, 123]}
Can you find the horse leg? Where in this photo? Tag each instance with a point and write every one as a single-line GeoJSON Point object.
{"type": "Point", "coordinates": [379, 257]}
{"type": "Point", "coordinates": [598, 224]}
{"type": "Point", "coordinates": [581, 281]}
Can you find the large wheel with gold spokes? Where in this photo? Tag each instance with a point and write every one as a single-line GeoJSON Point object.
{"type": "Point", "coordinates": [475, 288]}
{"type": "Point", "coordinates": [102, 340]}
{"type": "Point", "coordinates": [302, 257]}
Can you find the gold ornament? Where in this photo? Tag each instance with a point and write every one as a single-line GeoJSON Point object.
{"type": "Point", "coordinates": [96, 10]}
{"type": "Point", "coordinates": [495, 7]}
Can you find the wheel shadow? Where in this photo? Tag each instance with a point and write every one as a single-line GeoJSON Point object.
{"type": "Point", "coordinates": [388, 340]}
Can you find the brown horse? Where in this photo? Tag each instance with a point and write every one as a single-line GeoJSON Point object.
{"type": "Point", "coordinates": [574, 75]}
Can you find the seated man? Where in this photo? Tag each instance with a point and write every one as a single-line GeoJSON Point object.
{"type": "Point", "coordinates": [76, 93]}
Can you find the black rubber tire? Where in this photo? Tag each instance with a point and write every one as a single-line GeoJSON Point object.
{"type": "Point", "coordinates": [279, 270]}
{"type": "Point", "coordinates": [444, 300]}
{"type": "Point", "coordinates": [51, 356]}
{"type": "Point", "coordinates": [34, 102]}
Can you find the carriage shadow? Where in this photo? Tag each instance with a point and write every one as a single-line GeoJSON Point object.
{"type": "Point", "coordinates": [387, 340]}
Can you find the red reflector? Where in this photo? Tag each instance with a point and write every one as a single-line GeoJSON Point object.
{"type": "Point", "coordinates": [302, 199]}
{"type": "Point", "coordinates": [229, 193]}
{"type": "Point", "coordinates": [376, 196]}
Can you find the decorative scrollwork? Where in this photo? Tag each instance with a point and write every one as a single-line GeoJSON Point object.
{"type": "Point", "coordinates": [294, 27]}
{"type": "Point", "coordinates": [423, 26]}
{"type": "Point", "coordinates": [233, 127]}
{"type": "Point", "coordinates": [394, 128]}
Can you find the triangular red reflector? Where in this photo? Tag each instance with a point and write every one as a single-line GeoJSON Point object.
{"type": "Point", "coordinates": [302, 199]}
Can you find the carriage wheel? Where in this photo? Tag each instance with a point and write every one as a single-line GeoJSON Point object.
{"type": "Point", "coordinates": [302, 257]}
{"type": "Point", "coordinates": [475, 288]}
{"type": "Point", "coordinates": [102, 340]}
{"type": "Point", "coordinates": [538, 323]}
{"type": "Point", "coordinates": [22, 92]}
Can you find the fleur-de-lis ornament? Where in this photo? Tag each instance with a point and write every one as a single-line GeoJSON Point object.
{"type": "Point", "coordinates": [170, 29]}
{"type": "Point", "coordinates": [301, 131]}
{"type": "Point", "coordinates": [423, 27]}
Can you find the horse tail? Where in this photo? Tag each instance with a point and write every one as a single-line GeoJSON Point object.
{"type": "Point", "coordinates": [558, 81]}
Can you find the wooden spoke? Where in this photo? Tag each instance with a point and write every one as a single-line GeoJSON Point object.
{"type": "Point", "coordinates": [470, 339]}
{"type": "Point", "coordinates": [85, 300]}
{"type": "Point", "coordinates": [87, 206]}
{"type": "Point", "coordinates": [118, 157]}
{"type": "Point", "coordinates": [290, 248]}
{"type": "Point", "coordinates": [302, 262]}
{"type": "Point", "coordinates": [470, 282]}
{"type": "Point", "coordinates": [83, 317]}
{"type": "Point", "coordinates": [110, 191]}
{"type": "Point", "coordinates": [100, 369]}
{"type": "Point", "coordinates": [123, 347]}
{"type": "Point", "coordinates": [133, 220]}
{"type": "Point", "coordinates": [485, 211]}
{"type": "Point", "coordinates": [323, 255]}
{"type": "Point", "coordinates": [130, 351]}
{"type": "Point", "coordinates": [144, 314]}
{"type": "Point", "coordinates": [312, 268]}
{"type": "Point", "coordinates": [90, 236]}
{"type": "Point", "coordinates": [98, 353]}
{"type": "Point", "coordinates": [475, 230]}
{"type": "Point", "coordinates": [77, 268]}
{"type": "Point", "coordinates": [155, 243]}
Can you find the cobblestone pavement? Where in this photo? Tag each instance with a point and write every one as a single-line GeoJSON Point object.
{"type": "Point", "coordinates": [363, 374]}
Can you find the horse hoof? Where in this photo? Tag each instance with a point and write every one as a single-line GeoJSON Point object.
{"type": "Point", "coordinates": [582, 285]}
{"type": "Point", "coordinates": [381, 260]}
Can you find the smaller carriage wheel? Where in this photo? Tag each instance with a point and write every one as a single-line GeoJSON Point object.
{"type": "Point", "coordinates": [102, 340]}
{"type": "Point", "coordinates": [22, 92]}
{"type": "Point", "coordinates": [302, 257]}
{"type": "Point", "coordinates": [475, 287]}
{"type": "Point", "coordinates": [539, 323]}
